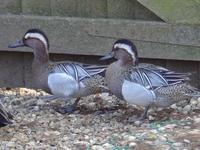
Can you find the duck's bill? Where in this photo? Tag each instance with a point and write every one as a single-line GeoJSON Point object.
{"type": "Point", "coordinates": [18, 43]}
{"type": "Point", "coordinates": [107, 56]}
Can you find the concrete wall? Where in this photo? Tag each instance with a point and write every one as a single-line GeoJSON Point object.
{"type": "Point", "coordinates": [127, 9]}
{"type": "Point", "coordinates": [83, 30]}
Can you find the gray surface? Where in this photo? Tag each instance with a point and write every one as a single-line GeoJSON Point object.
{"type": "Point", "coordinates": [10, 6]}
{"type": "Point", "coordinates": [11, 66]}
{"type": "Point", "coordinates": [95, 36]}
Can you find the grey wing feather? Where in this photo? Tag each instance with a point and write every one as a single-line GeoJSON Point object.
{"type": "Point", "coordinates": [155, 76]}
{"type": "Point", "coordinates": [79, 71]}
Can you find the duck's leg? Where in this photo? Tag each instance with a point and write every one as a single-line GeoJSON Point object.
{"type": "Point", "coordinates": [69, 109]}
{"type": "Point", "coordinates": [144, 115]}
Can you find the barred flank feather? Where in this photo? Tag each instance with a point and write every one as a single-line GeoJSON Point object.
{"type": "Point", "coordinates": [79, 71]}
{"type": "Point", "coordinates": [155, 76]}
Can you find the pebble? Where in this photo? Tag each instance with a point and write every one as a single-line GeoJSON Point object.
{"type": "Point", "coordinates": [180, 109]}
{"type": "Point", "coordinates": [178, 144]}
{"type": "Point", "coordinates": [108, 146]}
{"type": "Point", "coordinates": [97, 147]}
{"type": "Point", "coordinates": [132, 144]}
{"type": "Point", "coordinates": [11, 144]}
{"type": "Point", "coordinates": [47, 129]}
{"type": "Point", "coordinates": [129, 138]}
{"type": "Point", "coordinates": [151, 136]}
{"type": "Point", "coordinates": [193, 102]}
{"type": "Point", "coordinates": [197, 120]}
{"type": "Point", "coordinates": [198, 100]}
{"type": "Point", "coordinates": [163, 139]}
{"type": "Point", "coordinates": [187, 108]}
{"type": "Point", "coordinates": [138, 123]}
{"type": "Point", "coordinates": [174, 106]}
{"type": "Point", "coordinates": [151, 118]}
{"type": "Point", "coordinates": [187, 141]}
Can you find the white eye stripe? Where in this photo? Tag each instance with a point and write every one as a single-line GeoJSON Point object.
{"type": "Point", "coordinates": [37, 36]}
{"type": "Point", "coordinates": [126, 47]}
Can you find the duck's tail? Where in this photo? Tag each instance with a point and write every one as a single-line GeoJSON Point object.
{"type": "Point", "coordinates": [192, 92]}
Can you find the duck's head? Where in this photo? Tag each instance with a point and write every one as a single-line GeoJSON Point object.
{"type": "Point", "coordinates": [124, 51]}
{"type": "Point", "coordinates": [33, 38]}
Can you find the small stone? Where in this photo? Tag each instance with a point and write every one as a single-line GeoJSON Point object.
{"type": "Point", "coordinates": [180, 109]}
{"type": "Point", "coordinates": [82, 143]}
{"type": "Point", "coordinates": [107, 146]}
{"type": "Point", "coordinates": [151, 136]}
{"type": "Point", "coordinates": [198, 100]}
{"type": "Point", "coordinates": [151, 118]}
{"type": "Point", "coordinates": [187, 141]}
{"type": "Point", "coordinates": [97, 147]}
{"type": "Point", "coordinates": [198, 105]}
{"type": "Point", "coordinates": [132, 144]}
{"type": "Point", "coordinates": [197, 120]}
{"type": "Point", "coordinates": [41, 102]}
{"type": "Point", "coordinates": [163, 139]}
{"type": "Point", "coordinates": [31, 143]}
{"type": "Point", "coordinates": [11, 144]}
{"type": "Point", "coordinates": [187, 127]}
{"type": "Point", "coordinates": [187, 108]}
{"type": "Point", "coordinates": [185, 112]}
{"type": "Point", "coordinates": [36, 108]}
{"type": "Point", "coordinates": [129, 138]}
{"type": "Point", "coordinates": [178, 144]}
{"type": "Point", "coordinates": [92, 141]}
{"type": "Point", "coordinates": [193, 102]}
{"type": "Point", "coordinates": [138, 123]}
{"type": "Point", "coordinates": [132, 119]}
{"type": "Point", "coordinates": [174, 106]}
{"type": "Point", "coordinates": [170, 126]}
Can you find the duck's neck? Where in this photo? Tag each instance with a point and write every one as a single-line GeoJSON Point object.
{"type": "Point", "coordinates": [40, 69]}
{"type": "Point", "coordinates": [41, 56]}
{"type": "Point", "coordinates": [123, 63]}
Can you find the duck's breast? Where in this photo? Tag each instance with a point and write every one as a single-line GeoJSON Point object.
{"type": "Point", "coordinates": [62, 84]}
{"type": "Point", "coordinates": [137, 94]}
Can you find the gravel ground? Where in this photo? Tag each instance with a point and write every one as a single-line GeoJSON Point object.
{"type": "Point", "coordinates": [98, 124]}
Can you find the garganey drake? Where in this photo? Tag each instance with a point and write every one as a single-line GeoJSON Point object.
{"type": "Point", "coordinates": [61, 79]}
{"type": "Point", "coordinates": [5, 116]}
{"type": "Point", "coordinates": [144, 84]}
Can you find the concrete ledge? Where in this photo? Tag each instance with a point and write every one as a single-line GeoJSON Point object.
{"type": "Point", "coordinates": [95, 36]}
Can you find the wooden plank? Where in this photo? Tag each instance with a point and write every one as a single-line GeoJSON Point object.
{"type": "Point", "coordinates": [12, 72]}
{"type": "Point", "coordinates": [121, 9]}
{"type": "Point", "coordinates": [156, 32]}
{"type": "Point", "coordinates": [142, 13]}
{"type": "Point", "coordinates": [36, 7]}
{"type": "Point", "coordinates": [96, 36]}
{"type": "Point", "coordinates": [10, 6]}
{"type": "Point", "coordinates": [78, 8]}
{"type": "Point", "coordinates": [175, 11]}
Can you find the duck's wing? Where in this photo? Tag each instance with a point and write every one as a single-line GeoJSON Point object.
{"type": "Point", "coordinates": [153, 76]}
{"type": "Point", "coordinates": [78, 71]}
